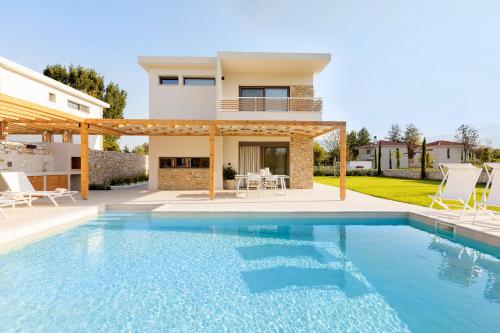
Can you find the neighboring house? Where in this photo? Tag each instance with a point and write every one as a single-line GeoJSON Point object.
{"type": "Point", "coordinates": [20, 82]}
{"type": "Point", "coordinates": [443, 151]}
{"type": "Point", "coordinates": [389, 150]}
{"type": "Point", "coordinates": [231, 86]}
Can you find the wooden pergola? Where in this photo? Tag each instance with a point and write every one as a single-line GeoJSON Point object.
{"type": "Point", "coordinates": [22, 117]}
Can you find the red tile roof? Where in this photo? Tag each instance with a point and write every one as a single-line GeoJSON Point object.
{"type": "Point", "coordinates": [384, 143]}
{"type": "Point", "coordinates": [443, 143]}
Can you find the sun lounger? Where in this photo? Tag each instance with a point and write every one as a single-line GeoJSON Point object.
{"type": "Point", "coordinates": [491, 192]}
{"type": "Point", "coordinates": [12, 199]}
{"type": "Point", "coordinates": [19, 182]}
{"type": "Point", "coordinates": [458, 185]}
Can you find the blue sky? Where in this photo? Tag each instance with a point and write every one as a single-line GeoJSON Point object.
{"type": "Point", "coordinates": [433, 63]}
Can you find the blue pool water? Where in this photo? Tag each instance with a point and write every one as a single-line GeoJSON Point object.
{"type": "Point", "coordinates": [138, 272]}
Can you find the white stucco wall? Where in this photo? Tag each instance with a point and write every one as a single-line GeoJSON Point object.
{"type": "Point", "coordinates": [183, 146]}
{"type": "Point", "coordinates": [439, 155]}
{"type": "Point", "coordinates": [364, 156]}
{"type": "Point", "coordinates": [179, 101]}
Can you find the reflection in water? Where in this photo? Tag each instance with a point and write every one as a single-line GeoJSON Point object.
{"type": "Point", "coordinates": [464, 266]}
{"type": "Point", "coordinates": [334, 237]}
{"type": "Point", "coordinates": [281, 277]}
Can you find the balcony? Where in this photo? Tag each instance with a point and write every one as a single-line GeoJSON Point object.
{"type": "Point", "coordinates": [271, 104]}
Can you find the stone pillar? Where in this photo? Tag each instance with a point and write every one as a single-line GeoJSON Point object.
{"type": "Point", "coordinates": [301, 162]}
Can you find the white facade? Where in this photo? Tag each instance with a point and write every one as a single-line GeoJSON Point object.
{"type": "Point", "coordinates": [23, 83]}
{"type": "Point", "coordinates": [224, 76]}
{"type": "Point", "coordinates": [445, 152]}
{"type": "Point", "coordinates": [367, 153]}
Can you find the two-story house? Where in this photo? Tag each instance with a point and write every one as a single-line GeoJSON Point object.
{"type": "Point", "coordinates": [23, 83]}
{"type": "Point", "coordinates": [230, 87]}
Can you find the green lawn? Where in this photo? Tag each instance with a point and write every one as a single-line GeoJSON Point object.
{"type": "Point", "coordinates": [414, 191]}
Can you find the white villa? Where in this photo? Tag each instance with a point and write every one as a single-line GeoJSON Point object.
{"type": "Point", "coordinates": [233, 86]}
{"type": "Point", "coordinates": [389, 150]}
{"type": "Point", "coordinates": [47, 152]}
{"type": "Point", "coordinates": [441, 151]}
{"type": "Point", "coordinates": [23, 83]}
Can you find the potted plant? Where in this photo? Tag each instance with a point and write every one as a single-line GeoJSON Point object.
{"type": "Point", "coordinates": [228, 174]}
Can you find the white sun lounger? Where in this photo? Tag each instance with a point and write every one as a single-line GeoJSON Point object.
{"type": "Point", "coordinates": [19, 182]}
{"type": "Point", "coordinates": [491, 192]}
{"type": "Point", "coordinates": [12, 199]}
{"type": "Point", "coordinates": [459, 184]}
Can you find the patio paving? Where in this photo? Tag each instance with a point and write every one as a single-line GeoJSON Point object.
{"type": "Point", "coordinates": [24, 225]}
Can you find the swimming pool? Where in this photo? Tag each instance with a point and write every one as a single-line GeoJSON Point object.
{"type": "Point", "coordinates": [127, 271]}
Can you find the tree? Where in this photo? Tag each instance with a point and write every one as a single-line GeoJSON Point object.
{"type": "Point", "coordinates": [394, 134]}
{"type": "Point", "coordinates": [390, 159]}
{"type": "Point", "coordinates": [379, 164]}
{"type": "Point", "coordinates": [397, 155]}
{"type": "Point", "coordinates": [84, 79]}
{"type": "Point", "coordinates": [468, 136]}
{"type": "Point", "coordinates": [363, 137]}
{"type": "Point", "coordinates": [90, 82]}
{"type": "Point", "coordinates": [411, 138]}
{"type": "Point", "coordinates": [331, 142]}
{"type": "Point", "coordinates": [423, 165]}
{"type": "Point", "coordinates": [352, 145]}
{"type": "Point", "coordinates": [141, 149]}
{"type": "Point", "coordinates": [126, 149]}
{"type": "Point", "coordinates": [117, 100]}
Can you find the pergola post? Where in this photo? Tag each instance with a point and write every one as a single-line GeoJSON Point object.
{"type": "Point", "coordinates": [47, 136]}
{"type": "Point", "coordinates": [343, 158]}
{"type": "Point", "coordinates": [4, 130]}
{"type": "Point", "coordinates": [84, 160]}
{"type": "Point", "coordinates": [211, 170]}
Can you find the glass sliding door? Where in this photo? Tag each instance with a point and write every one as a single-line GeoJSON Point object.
{"type": "Point", "coordinates": [252, 99]}
{"type": "Point", "coordinates": [276, 159]}
{"type": "Point", "coordinates": [254, 156]}
{"type": "Point", "coordinates": [264, 98]}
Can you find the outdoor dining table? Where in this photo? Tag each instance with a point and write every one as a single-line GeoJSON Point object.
{"type": "Point", "coordinates": [281, 180]}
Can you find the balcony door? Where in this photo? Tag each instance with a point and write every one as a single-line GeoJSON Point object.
{"type": "Point", "coordinates": [254, 156]}
{"type": "Point", "coordinates": [264, 98]}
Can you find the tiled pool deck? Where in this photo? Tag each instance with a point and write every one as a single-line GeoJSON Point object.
{"type": "Point", "coordinates": [24, 225]}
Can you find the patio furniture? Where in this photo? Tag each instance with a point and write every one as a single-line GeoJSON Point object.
{"type": "Point", "coordinates": [254, 181]}
{"type": "Point", "coordinates": [19, 182]}
{"type": "Point", "coordinates": [12, 199]}
{"type": "Point", "coordinates": [491, 192]}
{"type": "Point", "coordinates": [281, 182]}
{"type": "Point", "coordinates": [459, 184]}
{"type": "Point", "coordinates": [271, 182]}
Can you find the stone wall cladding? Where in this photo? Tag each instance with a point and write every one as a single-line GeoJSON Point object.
{"type": "Point", "coordinates": [415, 174]}
{"type": "Point", "coordinates": [302, 91]}
{"type": "Point", "coordinates": [301, 162]}
{"type": "Point", "coordinates": [105, 166]}
{"type": "Point", "coordinates": [176, 179]}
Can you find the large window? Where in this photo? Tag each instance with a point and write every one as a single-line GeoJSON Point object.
{"type": "Point", "coordinates": [199, 81]}
{"type": "Point", "coordinates": [184, 162]}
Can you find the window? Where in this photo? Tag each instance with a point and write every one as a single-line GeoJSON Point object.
{"type": "Point", "coordinates": [283, 92]}
{"type": "Point", "coordinates": [77, 106]}
{"type": "Point", "coordinates": [448, 153]}
{"type": "Point", "coordinates": [184, 162]}
{"type": "Point", "coordinates": [199, 81]}
{"type": "Point", "coordinates": [169, 80]}
{"type": "Point", "coordinates": [368, 151]}
{"type": "Point", "coordinates": [254, 156]}
{"type": "Point", "coordinates": [52, 97]}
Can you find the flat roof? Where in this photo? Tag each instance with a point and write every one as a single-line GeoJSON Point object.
{"type": "Point", "coordinates": [29, 73]}
{"type": "Point", "coordinates": [256, 62]}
